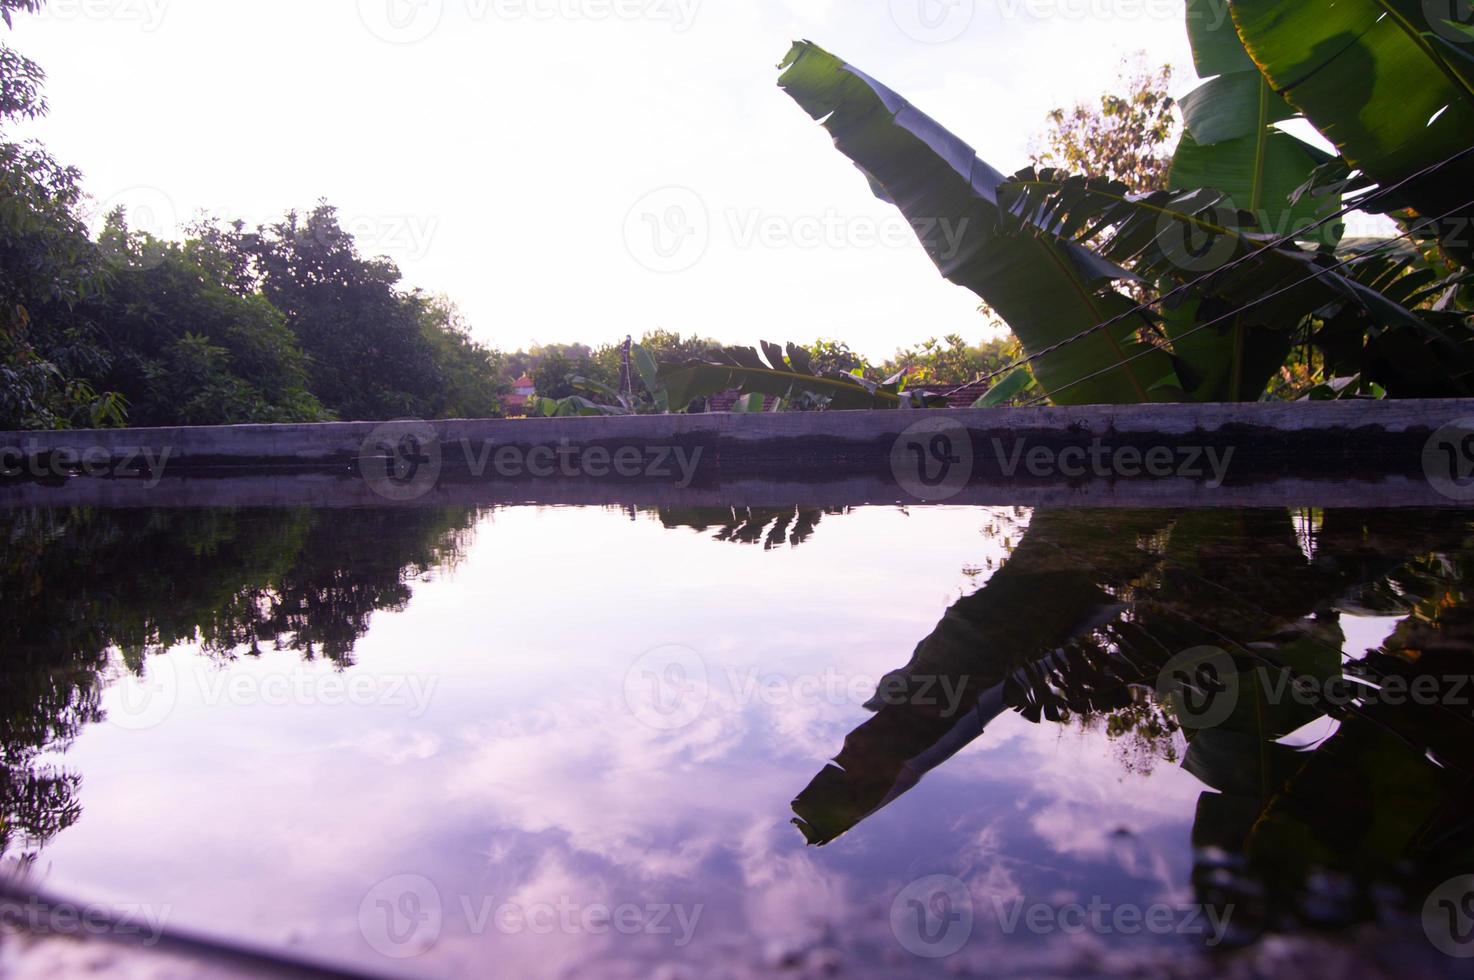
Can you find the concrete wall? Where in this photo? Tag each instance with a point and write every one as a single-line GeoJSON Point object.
{"type": "Point", "coordinates": [1327, 454]}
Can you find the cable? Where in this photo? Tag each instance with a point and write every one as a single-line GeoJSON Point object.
{"type": "Point", "coordinates": [1357, 205]}
{"type": "Point", "coordinates": [1235, 312]}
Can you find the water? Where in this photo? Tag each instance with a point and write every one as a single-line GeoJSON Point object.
{"type": "Point", "coordinates": [573, 742]}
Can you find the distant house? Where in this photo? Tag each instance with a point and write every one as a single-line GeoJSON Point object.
{"type": "Point", "coordinates": [522, 391]}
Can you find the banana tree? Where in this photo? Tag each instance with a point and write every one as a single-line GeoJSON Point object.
{"type": "Point", "coordinates": [1391, 84]}
{"type": "Point", "coordinates": [1243, 266]}
{"type": "Point", "coordinates": [1048, 290]}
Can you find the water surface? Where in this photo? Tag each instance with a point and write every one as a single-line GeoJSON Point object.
{"type": "Point", "coordinates": [601, 742]}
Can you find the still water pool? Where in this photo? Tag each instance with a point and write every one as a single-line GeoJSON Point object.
{"type": "Point", "coordinates": [579, 742]}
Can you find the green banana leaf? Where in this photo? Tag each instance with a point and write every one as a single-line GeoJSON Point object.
{"type": "Point", "coordinates": [1231, 143]}
{"type": "Point", "coordinates": [1015, 383]}
{"type": "Point", "coordinates": [1381, 81]}
{"type": "Point", "coordinates": [649, 373]}
{"type": "Point", "coordinates": [1231, 332]}
{"type": "Point", "coordinates": [1046, 290]}
{"type": "Point", "coordinates": [783, 378]}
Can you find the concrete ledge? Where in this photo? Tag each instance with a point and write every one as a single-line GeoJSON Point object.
{"type": "Point", "coordinates": [1261, 454]}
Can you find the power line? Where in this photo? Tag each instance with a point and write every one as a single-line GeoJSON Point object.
{"type": "Point", "coordinates": [1235, 312]}
{"type": "Point", "coordinates": [1357, 205]}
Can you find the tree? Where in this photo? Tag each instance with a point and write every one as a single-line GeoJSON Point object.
{"type": "Point", "coordinates": [835, 355]}
{"type": "Point", "coordinates": [47, 265]}
{"type": "Point", "coordinates": [1128, 136]}
{"type": "Point", "coordinates": [1049, 250]}
{"type": "Point", "coordinates": [369, 355]}
{"type": "Point", "coordinates": [553, 377]}
{"type": "Point", "coordinates": [474, 376]}
{"type": "Point", "coordinates": [953, 362]}
{"type": "Point", "coordinates": [185, 350]}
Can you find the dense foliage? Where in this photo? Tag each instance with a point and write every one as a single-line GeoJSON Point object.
{"type": "Point", "coordinates": [1233, 278]}
{"type": "Point", "coordinates": [282, 323]}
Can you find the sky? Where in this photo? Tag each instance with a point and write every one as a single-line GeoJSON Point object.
{"type": "Point", "coordinates": [573, 169]}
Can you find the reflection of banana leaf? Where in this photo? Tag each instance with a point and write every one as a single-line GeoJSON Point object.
{"type": "Point", "coordinates": [953, 685]}
{"type": "Point", "coordinates": [770, 526]}
{"type": "Point", "coordinates": [1085, 608]}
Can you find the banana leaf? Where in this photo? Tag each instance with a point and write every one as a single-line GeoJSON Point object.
{"type": "Point", "coordinates": [1046, 290]}
{"type": "Point", "coordinates": [1231, 332]}
{"type": "Point", "coordinates": [1231, 143]}
{"type": "Point", "coordinates": [1017, 381]}
{"type": "Point", "coordinates": [649, 373]}
{"type": "Point", "coordinates": [1392, 89]}
{"type": "Point", "coordinates": [784, 378]}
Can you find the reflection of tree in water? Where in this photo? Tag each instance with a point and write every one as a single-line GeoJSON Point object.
{"type": "Point", "coordinates": [1089, 609]}
{"type": "Point", "coordinates": [772, 527]}
{"type": "Point", "coordinates": [1142, 733]}
{"type": "Point", "coordinates": [78, 586]}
